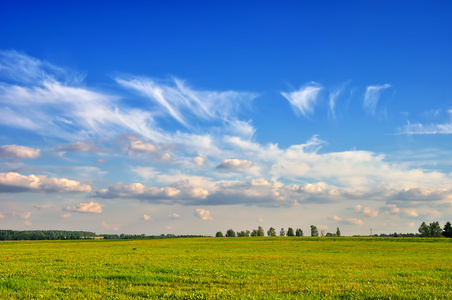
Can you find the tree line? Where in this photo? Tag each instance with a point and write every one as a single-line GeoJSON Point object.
{"type": "Point", "coordinates": [17, 235]}
{"type": "Point", "coordinates": [434, 230]}
{"type": "Point", "coordinates": [14, 235]}
{"type": "Point", "coordinates": [272, 232]}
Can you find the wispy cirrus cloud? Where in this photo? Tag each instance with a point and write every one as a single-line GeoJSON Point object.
{"type": "Point", "coordinates": [304, 100]}
{"type": "Point", "coordinates": [183, 102]}
{"type": "Point", "coordinates": [51, 101]}
{"type": "Point", "coordinates": [421, 129]}
{"type": "Point", "coordinates": [372, 96]}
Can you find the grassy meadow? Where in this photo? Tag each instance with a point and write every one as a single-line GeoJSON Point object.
{"type": "Point", "coordinates": [228, 268]}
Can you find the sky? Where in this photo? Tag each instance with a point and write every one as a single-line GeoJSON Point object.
{"type": "Point", "coordinates": [192, 117]}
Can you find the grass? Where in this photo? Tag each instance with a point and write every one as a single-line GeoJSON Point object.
{"type": "Point", "coordinates": [228, 268]}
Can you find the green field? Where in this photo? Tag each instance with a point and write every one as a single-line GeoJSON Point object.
{"type": "Point", "coordinates": [235, 268]}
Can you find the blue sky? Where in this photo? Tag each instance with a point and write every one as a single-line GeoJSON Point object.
{"type": "Point", "coordinates": [194, 117]}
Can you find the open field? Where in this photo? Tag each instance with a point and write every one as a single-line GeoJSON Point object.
{"type": "Point", "coordinates": [244, 268]}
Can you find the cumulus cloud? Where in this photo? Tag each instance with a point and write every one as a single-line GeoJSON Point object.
{"type": "Point", "coordinates": [411, 212]}
{"type": "Point", "coordinates": [146, 172]}
{"type": "Point", "coordinates": [372, 96]}
{"type": "Point", "coordinates": [304, 100]}
{"type": "Point", "coordinates": [146, 217]}
{"type": "Point", "coordinates": [353, 221]}
{"type": "Point", "coordinates": [80, 147]}
{"type": "Point", "coordinates": [65, 216]}
{"type": "Point", "coordinates": [114, 227]}
{"type": "Point", "coordinates": [174, 216]}
{"type": "Point", "coordinates": [234, 164]}
{"type": "Point", "coordinates": [199, 160]}
{"type": "Point", "coordinates": [39, 207]}
{"type": "Point", "coordinates": [12, 182]}
{"type": "Point", "coordinates": [140, 146]}
{"type": "Point", "coordinates": [167, 195]}
{"type": "Point", "coordinates": [368, 211]}
{"type": "Point", "coordinates": [90, 207]}
{"type": "Point", "coordinates": [203, 214]}
{"type": "Point", "coordinates": [14, 152]}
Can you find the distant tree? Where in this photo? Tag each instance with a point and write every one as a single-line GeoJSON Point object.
{"type": "Point", "coordinates": [247, 233]}
{"type": "Point", "coordinates": [299, 232]}
{"type": "Point", "coordinates": [260, 231]}
{"type": "Point", "coordinates": [271, 232]}
{"type": "Point", "coordinates": [314, 231]}
{"type": "Point", "coordinates": [447, 231]}
{"type": "Point", "coordinates": [241, 233]}
{"type": "Point", "coordinates": [290, 232]}
{"type": "Point", "coordinates": [230, 233]}
{"type": "Point", "coordinates": [338, 232]}
{"type": "Point", "coordinates": [282, 232]}
{"type": "Point", "coordinates": [254, 232]}
{"type": "Point", "coordinates": [219, 234]}
{"type": "Point", "coordinates": [424, 230]}
{"type": "Point", "coordinates": [435, 229]}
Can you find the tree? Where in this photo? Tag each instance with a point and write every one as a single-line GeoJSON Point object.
{"type": "Point", "coordinates": [435, 229]}
{"type": "Point", "coordinates": [219, 234]}
{"type": "Point", "coordinates": [271, 232]}
{"type": "Point", "coordinates": [314, 231]}
{"type": "Point", "coordinates": [254, 232]}
{"type": "Point", "coordinates": [282, 232]}
{"type": "Point", "coordinates": [247, 233]}
{"type": "Point", "coordinates": [299, 232]}
{"type": "Point", "coordinates": [424, 230]}
{"type": "Point", "coordinates": [290, 232]}
{"type": "Point", "coordinates": [230, 233]}
{"type": "Point", "coordinates": [260, 231]}
{"type": "Point", "coordinates": [338, 232]}
{"type": "Point", "coordinates": [447, 232]}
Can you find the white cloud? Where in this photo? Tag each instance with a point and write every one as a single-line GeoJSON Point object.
{"type": "Point", "coordinates": [418, 128]}
{"type": "Point", "coordinates": [411, 212]}
{"type": "Point", "coordinates": [18, 152]}
{"type": "Point", "coordinates": [174, 216]}
{"type": "Point", "coordinates": [368, 211]}
{"type": "Point", "coordinates": [12, 182]}
{"type": "Point", "coordinates": [58, 106]}
{"type": "Point", "coordinates": [27, 223]}
{"type": "Point", "coordinates": [114, 227]}
{"type": "Point", "coordinates": [146, 217]}
{"type": "Point", "coordinates": [168, 195]}
{"type": "Point", "coordinates": [145, 172]}
{"type": "Point", "coordinates": [233, 164]}
{"type": "Point", "coordinates": [25, 215]}
{"type": "Point", "coordinates": [353, 221]}
{"type": "Point", "coordinates": [304, 100]}
{"type": "Point", "coordinates": [65, 216]}
{"type": "Point", "coordinates": [2, 216]}
{"type": "Point", "coordinates": [372, 97]}
{"type": "Point", "coordinates": [141, 146]}
{"type": "Point", "coordinates": [203, 214]}
{"type": "Point", "coordinates": [39, 207]}
{"type": "Point", "coordinates": [199, 160]}
{"type": "Point", "coordinates": [182, 102]}
{"type": "Point", "coordinates": [90, 207]}
{"type": "Point", "coordinates": [392, 208]}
